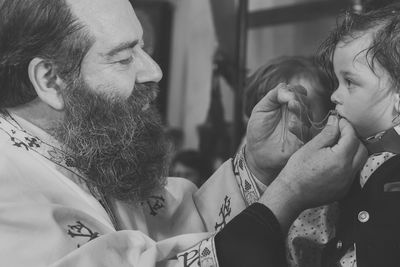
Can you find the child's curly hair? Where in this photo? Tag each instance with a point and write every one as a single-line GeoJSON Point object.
{"type": "Point", "coordinates": [384, 26]}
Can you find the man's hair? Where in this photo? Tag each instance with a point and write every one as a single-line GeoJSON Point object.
{"type": "Point", "coordinates": [384, 26]}
{"type": "Point", "coordinates": [282, 70]}
{"type": "Point", "coordinates": [37, 28]}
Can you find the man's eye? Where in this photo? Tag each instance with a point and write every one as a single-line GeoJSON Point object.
{"type": "Point", "coordinates": [126, 61]}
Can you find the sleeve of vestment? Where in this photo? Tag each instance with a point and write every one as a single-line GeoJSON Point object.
{"type": "Point", "coordinates": [253, 238]}
{"type": "Point", "coordinates": [247, 233]}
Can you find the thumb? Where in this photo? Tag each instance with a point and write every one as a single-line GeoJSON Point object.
{"type": "Point", "coordinates": [271, 100]}
{"type": "Point", "coordinates": [328, 136]}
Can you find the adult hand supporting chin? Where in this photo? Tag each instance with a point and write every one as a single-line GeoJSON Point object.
{"type": "Point", "coordinates": [268, 144]}
{"type": "Point", "coordinates": [318, 173]}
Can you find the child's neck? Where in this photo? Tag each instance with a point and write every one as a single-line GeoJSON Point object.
{"type": "Point", "coordinates": [386, 141]}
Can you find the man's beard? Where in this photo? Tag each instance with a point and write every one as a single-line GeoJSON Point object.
{"type": "Point", "coordinates": [114, 142]}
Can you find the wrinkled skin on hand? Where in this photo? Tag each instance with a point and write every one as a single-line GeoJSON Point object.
{"type": "Point", "coordinates": [268, 145]}
{"type": "Point", "coordinates": [320, 172]}
{"type": "Point", "coordinates": [323, 170]}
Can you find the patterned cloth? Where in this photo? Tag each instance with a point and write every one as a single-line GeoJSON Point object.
{"type": "Point", "coordinates": [315, 227]}
{"type": "Point", "coordinates": [373, 163]}
{"type": "Point", "coordinates": [308, 235]}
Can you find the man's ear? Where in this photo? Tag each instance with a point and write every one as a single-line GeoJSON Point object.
{"type": "Point", "coordinates": [47, 84]}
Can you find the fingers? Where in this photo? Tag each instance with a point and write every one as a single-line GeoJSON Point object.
{"type": "Point", "coordinates": [280, 95]}
{"type": "Point", "coordinates": [270, 101]}
{"type": "Point", "coordinates": [288, 93]}
{"type": "Point", "coordinates": [328, 136]}
{"type": "Point", "coordinates": [348, 142]}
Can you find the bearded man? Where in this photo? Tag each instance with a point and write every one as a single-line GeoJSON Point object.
{"type": "Point", "coordinates": [82, 163]}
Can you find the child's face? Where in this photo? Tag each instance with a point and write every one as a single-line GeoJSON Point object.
{"type": "Point", "coordinates": [363, 97]}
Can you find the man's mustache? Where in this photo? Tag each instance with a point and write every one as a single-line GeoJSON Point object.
{"type": "Point", "coordinates": [145, 93]}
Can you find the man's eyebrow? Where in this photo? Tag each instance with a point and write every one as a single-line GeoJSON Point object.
{"type": "Point", "coordinates": [121, 47]}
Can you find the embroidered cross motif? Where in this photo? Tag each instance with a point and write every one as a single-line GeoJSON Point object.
{"type": "Point", "coordinates": [224, 212]}
{"type": "Point", "coordinates": [21, 139]}
{"type": "Point", "coordinates": [19, 144]}
{"type": "Point", "coordinates": [202, 254]}
{"type": "Point", "coordinates": [32, 142]}
{"type": "Point", "coordinates": [81, 230]}
{"type": "Point", "coordinates": [155, 203]}
{"type": "Point", "coordinates": [190, 257]}
{"type": "Point", "coordinates": [235, 168]}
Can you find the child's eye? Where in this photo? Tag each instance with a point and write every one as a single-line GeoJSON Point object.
{"type": "Point", "coordinates": [349, 83]}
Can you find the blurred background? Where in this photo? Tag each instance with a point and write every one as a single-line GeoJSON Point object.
{"type": "Point", "coordinates": [207, 48]}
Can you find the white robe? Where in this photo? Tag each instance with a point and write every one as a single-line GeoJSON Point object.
{"type": "Point", "coordinates": [49, 218]}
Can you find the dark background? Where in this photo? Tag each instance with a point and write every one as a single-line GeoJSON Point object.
{"type": "Point", "coordinates": [156, 20]}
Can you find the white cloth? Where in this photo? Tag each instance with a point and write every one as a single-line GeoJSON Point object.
{"type": "Point", "coordinates": [49, 218]}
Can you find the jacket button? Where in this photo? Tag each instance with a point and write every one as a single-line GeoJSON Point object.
{"type": "Point", "coordinates": [339, 244]}
{"type": "Point", "coordinates": [363, 216]}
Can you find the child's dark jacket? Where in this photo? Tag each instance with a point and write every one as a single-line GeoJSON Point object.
{"type": "Point", "coordinates": [370, 218]}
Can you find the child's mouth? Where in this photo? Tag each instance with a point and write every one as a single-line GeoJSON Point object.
{"type": "Point", "coordinates": [336, 113]}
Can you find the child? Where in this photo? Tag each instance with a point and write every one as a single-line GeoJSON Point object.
{"type": "Point", "coordinates": [363, 54]}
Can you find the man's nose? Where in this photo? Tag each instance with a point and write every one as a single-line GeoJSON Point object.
{"type": "Point", "coordinates": [147, 69]}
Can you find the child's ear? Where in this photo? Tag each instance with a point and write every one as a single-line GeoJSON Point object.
{"type": "Point", "coordinates": [48, 85]}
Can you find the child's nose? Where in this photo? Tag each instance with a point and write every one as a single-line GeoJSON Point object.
{"type": "Point", "coordinates": [147, 69]}
{"type": "Point", "coordinates": [335, 97]}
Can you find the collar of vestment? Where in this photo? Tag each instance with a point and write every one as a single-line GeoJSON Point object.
{"type": "Point", "coordinates": [25, 135]}
{"type": "Point", "coordinates": [46, 145]}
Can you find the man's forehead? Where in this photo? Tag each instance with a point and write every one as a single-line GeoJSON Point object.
{"type": "Point", "coordinates": [108, 19]}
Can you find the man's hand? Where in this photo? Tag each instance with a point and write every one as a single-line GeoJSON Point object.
{"type": "Point", "coordinates": [268, 145]}
{"type": "Point", "coordinates": [318, 173]}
